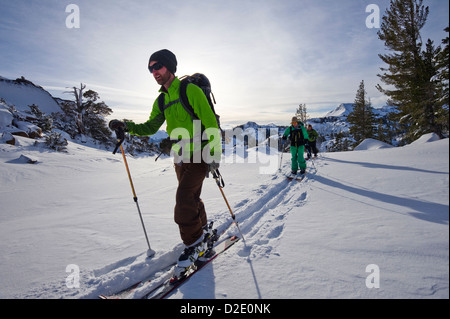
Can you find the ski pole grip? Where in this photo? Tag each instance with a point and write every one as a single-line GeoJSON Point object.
{"type": "Point", "coordinates": [218, 177]}
{"type": "Point", "coordinates": [120, 134]}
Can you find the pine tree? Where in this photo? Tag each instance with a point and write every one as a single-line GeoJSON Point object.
{"type": "Point", "coordinates": [410, 71]}
{"type": "Point", "coordinates": [94, 114]}
{"type": "Point", "coordinates": [78, 110]}
{"type": "Point", "coordinates": [426, 113]}
{"type": "Point", "coordinates": [301, 113]}
{"type": "Point", "coordinates": [443, 69]}
{"type": "Point", "coordinates": [443, 84]}
{"type": "Point", "coordinates": [86, 116]}
{"type": "Point", "coordinates": [362, 118]}
{"type": "Point", "coordinates": [56, 142]}
{"type": "Point", "coordinates": [45, 122]}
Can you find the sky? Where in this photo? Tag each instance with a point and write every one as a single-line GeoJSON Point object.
{"type": "Point", "coordinates": [263, 57]}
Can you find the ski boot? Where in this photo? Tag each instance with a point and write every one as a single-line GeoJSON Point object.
{"type": "Point", "coordinates": [187, 262]}
{"type": "Point", "coordinates": [292, 175]}
{"type": "Point", "coordinates": [210, 237]}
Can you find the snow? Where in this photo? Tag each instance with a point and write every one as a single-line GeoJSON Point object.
{"type": "Point", "coordinates": [371, 144]}
{"type": "Point", "coordinates": [384, 209]}
{"type": "Point", "coordinates": [343, 109]}
{"type": "Point", "coordinates": [426, 138]}
{"type": "Point", "coordinates": [25, 94]}
{"type": "Point", "coordinates": [6, 117]}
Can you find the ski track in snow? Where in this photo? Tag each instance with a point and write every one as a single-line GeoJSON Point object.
{"type": "Point", "coordinates": [261, 217]}
{"type": "Point", "coordinates": [262, 221]}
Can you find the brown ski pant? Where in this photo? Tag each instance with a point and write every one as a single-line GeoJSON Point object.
{"type": "Point", "coordinates": [190, 214]}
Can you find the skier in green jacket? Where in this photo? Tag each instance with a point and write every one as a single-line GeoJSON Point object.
{"type": "Point", "coordinates": [311, 146]}
{"type": "Point", "coordinates": [298, 137]}
{"type": "Point", "coordinates": [192, 154]}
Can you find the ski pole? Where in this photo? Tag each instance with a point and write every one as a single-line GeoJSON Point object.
{"type": "Point", "coordinates": [220, 183]}
{"type": "Point", "coordinates": [282, 151]}
{"type": "Point", "coordinates": [312, 163]}
{"type": "Point", "coordinates": [120, 136]}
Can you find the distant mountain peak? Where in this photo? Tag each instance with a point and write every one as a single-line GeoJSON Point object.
{"type": "Point", "coordinates": [343, 109]}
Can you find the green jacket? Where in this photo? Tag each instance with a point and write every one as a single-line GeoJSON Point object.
{"type": "Point", "coordinates": [180, 125]}
{"type": "Point", "coordinates": [295, 135]}
{"type": "Point", "coordinates": [313, 135]}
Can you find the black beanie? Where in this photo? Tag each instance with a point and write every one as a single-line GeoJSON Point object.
{"type": "Point", "coordinates": [166, 58]}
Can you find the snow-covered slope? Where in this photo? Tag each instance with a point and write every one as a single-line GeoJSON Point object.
{"type": "Point", "coordinates": [22, 93]}
{"type": "Point", "coordinates": [320, 238]}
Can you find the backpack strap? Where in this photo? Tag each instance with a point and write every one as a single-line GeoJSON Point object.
{"type": "Point", "coordinates": [162, 106]}
{"type": "Point", "coordinates": [185, 101]}
{"type": "Point", "coordinates": [187, 106]}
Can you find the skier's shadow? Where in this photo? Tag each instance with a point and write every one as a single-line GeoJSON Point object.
{"type": "Point", "coordinates": [254, 277]}
{"type": "Point", "coordinates": [425, 210]}
{"type": "Point", "coordinates": [201, 285]}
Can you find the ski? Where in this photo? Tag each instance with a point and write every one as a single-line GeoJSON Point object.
{"type": "Point", "coordinates": [170, 284]}
{"type": "Point", "coordinates": [154, 281]}
{"type": "Point", "coordinates": [297, 178]}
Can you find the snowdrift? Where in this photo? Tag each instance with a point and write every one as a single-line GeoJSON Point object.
{"type": "Point", "coordinates": [431, 137]}
{"type": "Point", "coordinates": [371, 144]}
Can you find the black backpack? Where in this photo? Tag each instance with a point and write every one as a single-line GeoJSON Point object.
{"type": "Point", "coordinates": [202, 82]}
{"type": "Point", "coordinates": [296, 136]}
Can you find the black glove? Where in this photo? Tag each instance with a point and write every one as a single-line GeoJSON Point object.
{"type": "Point", "coordinates": [213, 166]}
{"type": "Point", "coordinates": [284, 138]}
{"type": "Point", "coordinates": [119, 128]}
{"type": "Point", "coordinates": [116, 124]}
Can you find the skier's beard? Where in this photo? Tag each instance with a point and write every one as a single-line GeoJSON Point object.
{"type": "Point", "coordinates": [163, 79]}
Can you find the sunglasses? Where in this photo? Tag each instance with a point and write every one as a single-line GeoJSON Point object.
{"type": "Point", "coordinates": [157, 66]}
